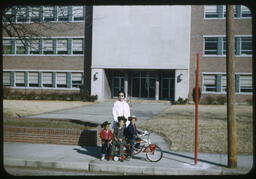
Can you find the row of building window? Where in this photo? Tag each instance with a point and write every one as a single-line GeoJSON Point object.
{"type": "Point", "coordinates": [216, 83]}
{"type": "Point", "coordinates": [217, 46]}
{"type": "Point", "coordinates": [43, 46]}
{"type": "Point", "coordinates": [42, 79]}
{"type": "Point", "coordinates": [43, 14]}
{"type": "Point", "coordinates": [219, 11]}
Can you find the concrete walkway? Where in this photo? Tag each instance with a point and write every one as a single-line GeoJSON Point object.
{"type": "Point", "coordinates": [87, 158]}
{"type": "Point", "coordinates": [100, 112]}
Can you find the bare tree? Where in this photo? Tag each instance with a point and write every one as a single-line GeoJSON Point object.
{"type": "Point", "coordinates": [32, 21]}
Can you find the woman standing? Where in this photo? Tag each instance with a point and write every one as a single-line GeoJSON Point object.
{"type": "Point", "coordinates": [120, 108]}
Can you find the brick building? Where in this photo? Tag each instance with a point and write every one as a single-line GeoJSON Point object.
{"type": "Point", "coordinates": [147, 51]}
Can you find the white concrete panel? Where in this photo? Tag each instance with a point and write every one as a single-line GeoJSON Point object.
{"type": "Point", "coordinates": [148, 37]}
{"type": "Point", "coordinates": [97, 83]}
{"type": "Point", "coordinates": [182, 86]}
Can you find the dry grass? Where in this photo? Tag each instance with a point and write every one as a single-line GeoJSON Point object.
{"type": "Point", "coordinates": [177, 125]}
{"type": "Point", "coordinates": [48, 123]}
{"type": "Point", "coordinates": [23, 108]}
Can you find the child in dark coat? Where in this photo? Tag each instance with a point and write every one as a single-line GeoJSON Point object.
{"type": "Point", "coordinates": [119, 139]}
{"type": "Point", "coordinates": [106, 136]}
{"type": "Point", "coordinates": [132, 134]}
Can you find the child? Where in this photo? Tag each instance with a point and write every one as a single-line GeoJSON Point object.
{"type": "Point", "coordinates": [106, 136]}
{"type": "Point", "coordinates": [119, 139]}
{"type": "Point", "coordinates": [132, 134]}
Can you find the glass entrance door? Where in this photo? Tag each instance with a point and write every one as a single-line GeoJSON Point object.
{"type": "Point", "coordinates": [143, 84]}
{"type": "Point", "coordinates": [117, 82]}
{"type": "Point", "coordinates": [167, 85]}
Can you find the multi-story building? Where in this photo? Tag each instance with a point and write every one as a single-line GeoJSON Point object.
{"type": "Point", "coordinates": [147, 51]}
{"type": "Point", "coordinates": [54, 58]}
{"type": "Point", "coordinates": [208, 38]}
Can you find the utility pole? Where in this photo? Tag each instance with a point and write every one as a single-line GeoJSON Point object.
{"type": "Point", "coordinates": [88, 47]}
{"type": "Point", "coordinates": [231, 121]}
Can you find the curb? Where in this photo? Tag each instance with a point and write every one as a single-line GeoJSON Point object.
{"type": "Point", "coordinates": [94, 166]}
{"type": "Point", "coordinates": [84, 166]}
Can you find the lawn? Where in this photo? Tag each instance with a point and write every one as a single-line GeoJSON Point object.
{"type": "Point", "coordinates": [177, 125]}
{"type": "Point", "coordinates": [23, 108]}
{"type": "Point", "coordinates": [15, 113]}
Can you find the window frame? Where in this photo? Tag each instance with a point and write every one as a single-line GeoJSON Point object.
{"type": "Point", "coordinates": [203, 83]}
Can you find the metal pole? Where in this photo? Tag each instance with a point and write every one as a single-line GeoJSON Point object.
{"type": "Point", "coordinates": [196, 112]}
{"type": "Point", "coordinates": [231, 121]}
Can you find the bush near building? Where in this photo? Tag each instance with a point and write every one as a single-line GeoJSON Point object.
{"type": "Point", "coordinates": [18, 95]}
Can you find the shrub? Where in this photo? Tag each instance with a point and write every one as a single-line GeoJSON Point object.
{"type": "Point", "coordinates": [249, 101]}
{"type": "Point", "coordinates": [85, 94]}
{"type": "Point", "coordinates": [194, 94]}
{"type": "Point", "coordinates": [221, 100]}
{"type": "Point", "coordinates": [6, 93]}
{"type": "Point", "coordinates": [209, 100]}
{"type": "Point", "coordinates": [181, 101]}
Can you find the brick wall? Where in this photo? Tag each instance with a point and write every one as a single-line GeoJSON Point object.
{"type": "Point", "coordinates": [52, 136]}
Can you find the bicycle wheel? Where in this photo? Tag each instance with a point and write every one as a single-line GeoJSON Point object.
{"type": "Point", "coordinates": [155, 154]}
{"type": "Point", "coordinates": [137, 150]}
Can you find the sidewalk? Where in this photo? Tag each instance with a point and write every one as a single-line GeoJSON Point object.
{"type": "Point", "coordinates": [88, 159]}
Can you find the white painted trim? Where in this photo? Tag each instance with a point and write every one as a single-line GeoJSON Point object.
{"type": "Point", "coordinates": [42, 55]}
{"type": "Point", "coordinates": [40, 88]}
{"type": "Point", "coordinates": [30, 70]}
{"type": "Point", "coordinates": [47, 37]}
{"type": "Point", "coordinates": [236, 73]}
{"type": "Point", "coordinates": [138, 68]}
{"type": "Point", "coordinates": [238, 35]}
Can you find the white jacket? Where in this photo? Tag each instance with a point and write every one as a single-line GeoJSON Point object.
{"type": "Point", "coordinates": [121, 108]}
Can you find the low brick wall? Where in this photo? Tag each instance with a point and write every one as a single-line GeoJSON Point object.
{"type": "Point", "coordinates": [52, 136]}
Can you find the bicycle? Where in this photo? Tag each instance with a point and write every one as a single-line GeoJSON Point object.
{"type": "Point", "coordinates": [153, 152]}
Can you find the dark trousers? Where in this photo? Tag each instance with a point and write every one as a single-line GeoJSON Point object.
{"type": "Point", "coordinates": [120, 145]}
{"type": "Point", "coordinates": [105, 148]}
{"type": "Point", "coordinates": [132, 143]}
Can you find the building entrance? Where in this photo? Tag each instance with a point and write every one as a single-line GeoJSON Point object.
{"type": "Point", "coordinates": [167, 85]}
{"type": "Point", "coordinates": [143, 84]}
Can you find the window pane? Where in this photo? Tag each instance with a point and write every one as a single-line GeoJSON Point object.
{"type": "Point", "coordinates": [62, 13]}
{"type": "Point", "coordinates": [7, 47]}
{"type": "Point", "coordinates": [34, 46]}
{"type": "Point", "coordinates": [62, 46]}
{"type": "Point", "coordinates": [7, 15]}
{"type": "Point", "coordinates": [48, 13]}
{"type": "Point", "coordinates": [34, 14]}
{"type": "Point", "coordinates": [224, 46]}
{"type": "Point", "coordinates": [77, 46]}
{"type": "Point", "coordinates": [33, 79]}
{"type": "Point", "coordinates": [48, 46]}
{"type": "Point", "coordinates": [245, 83]}
{"type": "Point", "coordinates": [211, 45]}
{"type": "Point", "coordinates": [21, 15]}
{"type": "Point", "coordinates": [20, 47]}
{"type": "Point", "coordinates": [20, 79]}
{"type": "Point", "coordinates": [246, 46]}
{"type": "Point", "coordinates": [209, 82]}
{"type": "Point", "coordinates": [7, 78]}
{"type": "Point", "coordinates": [211, 11]}
{"type": "Point", "coordinates": [76, 80]}
{"type": "Point", "coordinates": [223, 83]}
{"type": "Point", "coordinates": [78, 13]}
{"type": "Point", "coordinates": [245, 12]}
{"type": "Point", "coordinates": [61, 80]}
{"type": "Point", "coordinates": [47, 79]}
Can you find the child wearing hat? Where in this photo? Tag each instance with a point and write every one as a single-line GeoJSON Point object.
{"type": "Point", "coordinates": [119, 138]}
{"type": "Point", "coordinates": [106, 136]}
{"type": "Point", "coordinates": [132, 134]}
